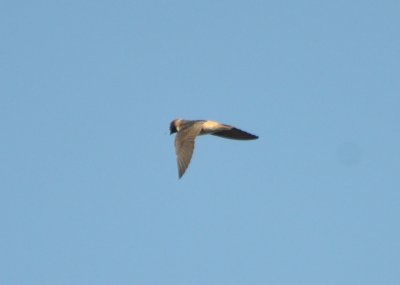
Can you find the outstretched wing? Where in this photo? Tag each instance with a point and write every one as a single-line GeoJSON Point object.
{"type": "Point", "coordinates": [184, 146]}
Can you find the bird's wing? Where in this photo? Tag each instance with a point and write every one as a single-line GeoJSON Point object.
{"type": "Point", "coordinates": [184, 145]}
{"type": "Point", "coordinates": [230, 132]}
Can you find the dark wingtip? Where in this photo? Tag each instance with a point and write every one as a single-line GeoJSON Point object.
{"type": "Point", "coordinates": [235, 134]}
{"type": "Point", "coordinates": [245, 135]}
{"type": "Point", "coordinates": [180, 173]}
{"type": "Point", "coordinates": [250, 136]}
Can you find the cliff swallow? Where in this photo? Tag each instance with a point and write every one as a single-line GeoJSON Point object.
{"type": "Point", "coordinates": [187, 131]}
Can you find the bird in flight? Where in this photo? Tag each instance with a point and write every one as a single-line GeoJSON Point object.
{"type": "Point", "coordinates": [187, 131]}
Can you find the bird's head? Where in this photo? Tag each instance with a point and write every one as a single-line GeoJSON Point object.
{"type": "Point", "coordinates": [174, 126]}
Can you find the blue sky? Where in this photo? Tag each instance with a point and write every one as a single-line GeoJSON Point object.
{"type": "Point", "coordinates": [89, 187]}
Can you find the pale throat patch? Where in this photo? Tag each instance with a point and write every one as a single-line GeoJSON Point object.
{"type": "Point", "coordinates": [178, 125]}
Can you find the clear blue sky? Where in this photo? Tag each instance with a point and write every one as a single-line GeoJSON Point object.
{"type": "Point", "coordinates": [89, 190]}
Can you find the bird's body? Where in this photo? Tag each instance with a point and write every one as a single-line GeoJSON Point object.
{"type": "Point", "coordinates": [188, 130]}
